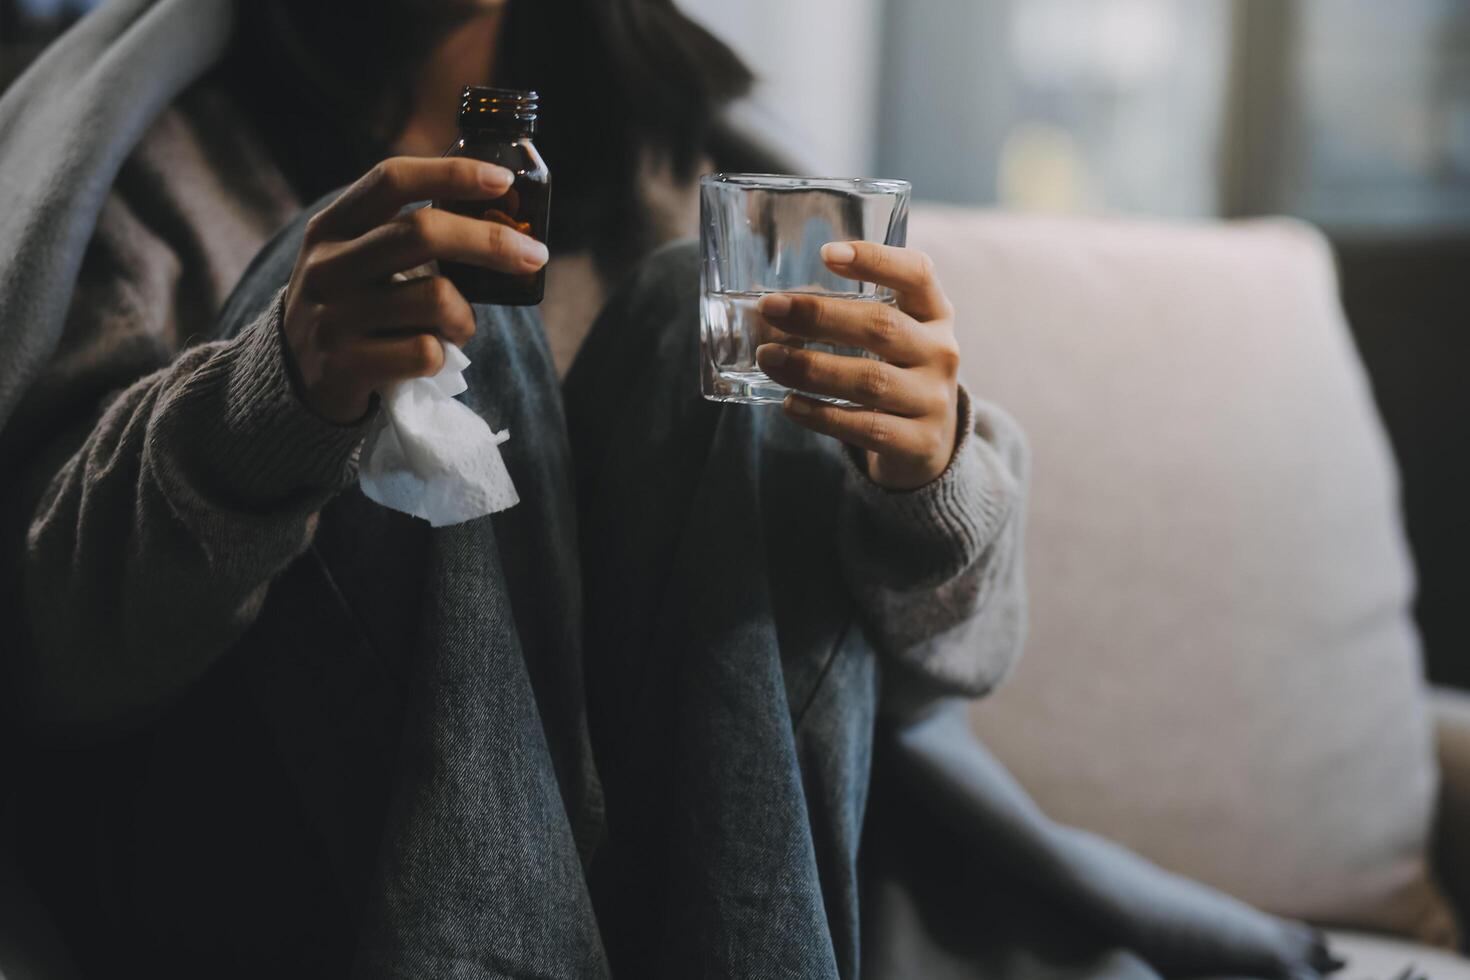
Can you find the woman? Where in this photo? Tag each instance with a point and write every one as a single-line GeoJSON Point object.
{"type": "Point", "coordinates": [167, 516]}
{"type": "Point", "coordinates": [624, 726]}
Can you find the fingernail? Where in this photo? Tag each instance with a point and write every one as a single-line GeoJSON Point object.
{"type": "Point", "coordinates": [775, 305]}
{"type": "Point", "coordinates": [798, 406]}
{"type": "Point", "coordinates": [495, 178]}
{"type": "Point", "coordinates": [772, 355]}
{"type": "Point", "coordinates": [838, 253]}
{"type": "Point", "coordinates": [534, 254]}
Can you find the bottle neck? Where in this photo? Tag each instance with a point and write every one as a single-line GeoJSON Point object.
{"type": "Point", "coordinates": [497, 113]}
{"type": "Point", "coordinates": [502, 133]}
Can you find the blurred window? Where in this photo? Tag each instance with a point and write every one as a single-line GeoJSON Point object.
{"type": "Point", "coordinates": [1351, 113]}
{"type": "Point", "coordinates": [1376, 115]}
{"type": "Point", "coordinates": [1058, 104]}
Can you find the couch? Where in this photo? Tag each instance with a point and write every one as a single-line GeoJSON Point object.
{"type": "Point", "coordinates": [1222, 670]}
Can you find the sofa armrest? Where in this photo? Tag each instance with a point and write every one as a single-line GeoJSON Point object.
{"type": "Point", "coordinates": [1452, 736]}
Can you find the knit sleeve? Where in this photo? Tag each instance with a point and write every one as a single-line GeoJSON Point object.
{"type": "Point", "coordinates": [937, 571]}
{"type": "Point", "coordinates": [150, 550]}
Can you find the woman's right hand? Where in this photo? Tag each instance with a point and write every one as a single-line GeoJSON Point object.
{"type": "Point", "coordinates": [351, 328]}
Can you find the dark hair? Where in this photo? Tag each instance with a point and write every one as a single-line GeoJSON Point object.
{"type": "Point", "coordinates": [328, 83]}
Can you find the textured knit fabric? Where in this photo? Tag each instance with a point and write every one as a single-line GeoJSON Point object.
{"type": "Point", "coordinates": [937, 571]}
{"type": "Point", "coordinates": [164, 490]}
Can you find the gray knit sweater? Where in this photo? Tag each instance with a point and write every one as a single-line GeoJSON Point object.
{"type": "Point", "coordinates": [154, 488]}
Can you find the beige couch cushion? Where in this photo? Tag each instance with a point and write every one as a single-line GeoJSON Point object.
{"type": "Point", "coordinates": [1222, 672]}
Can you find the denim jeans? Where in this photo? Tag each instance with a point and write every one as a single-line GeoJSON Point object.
{"type": "Point", "coordinates": [731, 692]}
{"type": "Point", "coordinates": [681, 553]}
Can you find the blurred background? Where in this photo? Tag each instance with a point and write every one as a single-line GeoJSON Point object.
{"type": "Point", "coordinates": [1351, 114]}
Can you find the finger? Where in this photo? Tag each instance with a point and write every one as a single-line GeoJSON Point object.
{"type": "Point", "coordinates": [860, 380]}
{"type": "Point", "coordinates": [877, 327]}
{"type": "Point", "coordinates": [763, 331]}
{"type": "Point", "coordinates": [399, 181]}
{"type": "Point", "coordinates": [377, 361]}
{"type": "Point", "coordinates": [879, 432]}
{"type": "Point", "coordinates": [426, 303]}
{"type": "Point", "coordinates": [412, 239]}
{"type": "Point", "coordinates": [906, 271]}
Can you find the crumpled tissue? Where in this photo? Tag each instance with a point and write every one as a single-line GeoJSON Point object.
{"type": "Point", "coordinates": [431, 456]}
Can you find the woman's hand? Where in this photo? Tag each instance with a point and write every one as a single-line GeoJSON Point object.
{"type": "Point", "coordinates": [350, 327]}
{"type": "Point", "coordinates": [910, 399]}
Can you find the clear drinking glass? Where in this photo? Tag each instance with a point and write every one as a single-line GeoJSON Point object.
{"type": "Point", "coordinates": [763, 234]}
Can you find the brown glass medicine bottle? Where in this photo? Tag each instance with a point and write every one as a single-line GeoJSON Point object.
{"type": "Point", "coordinates": [496, 125]}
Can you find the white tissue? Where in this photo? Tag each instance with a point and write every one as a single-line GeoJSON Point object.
{"type": "Point", "coordinates": [431, 456]}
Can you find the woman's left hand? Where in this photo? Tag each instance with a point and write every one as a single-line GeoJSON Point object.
{"type": "Point", "coordinates": [910, 399]}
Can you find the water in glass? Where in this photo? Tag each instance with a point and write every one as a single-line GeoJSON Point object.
{"type": "Point", "coordinates": [731, 330]}
{"type": "Point", "coordinates": [763, 234]}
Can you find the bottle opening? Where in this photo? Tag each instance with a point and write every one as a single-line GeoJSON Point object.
{"type": "Point", "coordinates": [504, 109]}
